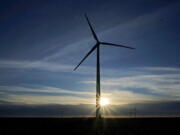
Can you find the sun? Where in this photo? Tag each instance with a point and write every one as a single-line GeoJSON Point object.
{"type": "Point", "coordinates": [104, 101]}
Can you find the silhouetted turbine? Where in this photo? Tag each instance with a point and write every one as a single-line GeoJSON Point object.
{"type": "Point", "coordinates": [97, 47]}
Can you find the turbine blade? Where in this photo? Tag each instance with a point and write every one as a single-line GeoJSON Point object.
{"type": "Point", "coordinates": [111, 44]}
{"type": "Point", "coordinates": [86, 56]}
{"type": "Point", "coordinates": [92, 30]}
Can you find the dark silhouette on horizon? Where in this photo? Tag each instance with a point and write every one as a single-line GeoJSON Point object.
{"type": "Point", "coordinates": [97, 47]}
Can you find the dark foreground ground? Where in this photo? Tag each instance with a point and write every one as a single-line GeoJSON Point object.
{"type": "Point", "coordinates": [89, 126]}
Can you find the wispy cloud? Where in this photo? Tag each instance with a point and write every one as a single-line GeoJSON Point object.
{"type": "Point", "coordinates": [55, 67]}
{"type": "Point", "coordinates": [44, 89]}
{"type": "Point", "coordinates": [34, 65]}
{"type": "Point", "coordinates": [168, 69]}
{"type": "Point", "coordinates": [164, 84]}
{"type": "Point", "coordinates": [41, 99]}
{"type": "Point", "coordinates": [44, 95]}
{"type": "Point", "coordinates": [11, 95]}
{"type": "Point", "coordinates": [140, 21]}
{"type": "Point", "coordinates": [74, 47]}
{"type": "Point", "coordinates": [124, 86]}
{"type": "Point", "coordinates": [44, 66]}
{"type": "Point", "coordinates": [145, 19]}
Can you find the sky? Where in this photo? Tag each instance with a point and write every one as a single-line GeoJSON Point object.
{"type": "Point", "coordinates": [41, 41]}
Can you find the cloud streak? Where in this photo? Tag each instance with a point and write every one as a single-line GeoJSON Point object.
{"type": "Point", "coordinates": [124, 86]}
{"type": "Point", "coordinates": [34, 65]}
{"type": "Point", "coordinates": [44, 95]}
{"type": "Point", "coordinates": [52, 95]}
{"type": "Point", "coordinates": [55, 67]}
{"type": "Point", "coordinates": [164, 84]}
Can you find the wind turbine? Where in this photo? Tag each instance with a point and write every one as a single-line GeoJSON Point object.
{"type": "Point", "coordinates": [97, 48]}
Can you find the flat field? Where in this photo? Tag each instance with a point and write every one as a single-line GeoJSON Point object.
{"type": "Point", "coordinates": [90, 126]}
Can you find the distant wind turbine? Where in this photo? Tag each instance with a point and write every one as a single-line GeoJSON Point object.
{"type": "Point", "coordinates": [97, 47]}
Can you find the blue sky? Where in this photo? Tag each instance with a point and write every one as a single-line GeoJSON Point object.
{"type": "Point", "coordinates": [42, 41]}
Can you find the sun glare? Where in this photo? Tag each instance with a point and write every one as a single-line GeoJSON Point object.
{"type": "Point", "coordinates": [104, 101]}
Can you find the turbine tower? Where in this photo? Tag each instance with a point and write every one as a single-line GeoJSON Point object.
{"type": "Point", "coordinates": [97, 48]}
